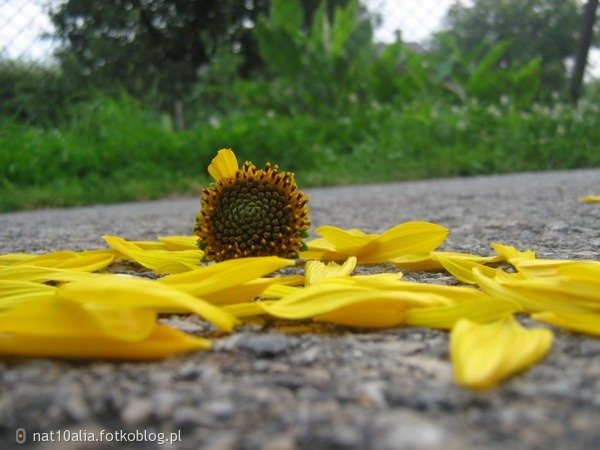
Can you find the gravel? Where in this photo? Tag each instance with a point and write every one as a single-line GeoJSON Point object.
{"type": "Point", "coordinates": [277, 388]}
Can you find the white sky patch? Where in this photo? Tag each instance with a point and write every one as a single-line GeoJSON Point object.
{"type": "Point", "coordinates": [415, 19]}
{"type": "Point", "coordinates": [22, 24]}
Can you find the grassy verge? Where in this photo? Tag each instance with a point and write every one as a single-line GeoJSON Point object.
{"type": "Point", "coordinates": [117, 152]}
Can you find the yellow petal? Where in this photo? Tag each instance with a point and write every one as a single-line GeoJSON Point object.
{"type": "Point", "coordinates": [431, 260]}
{"type": "Point", "coordinates": [159, 261]}
{"type": "Point", "coordinates": [348, 242]}
{"type": "Point", "coordinates": [445, 316]}
{"type": "Point", "coordinates": [8, 259]}
{"type": "Point", "coordinates": [316, 271]}
{"type": "Point", "coordinates": [323, 250]}
{"type": "Point", "coordinates": [136, 293]}
{"type": "Point", "coordinates": [590, 199]}
{"type": "Point", "coordinates": [235, 294]}
{"type": "Point", "coordinates": [437, 294]}
{"type": "Point", "coordinates": [337, 295]}
{"type": "Point", "coordinates": [483, 355]}
{"type": "Point", "coordinates": [406, 238]}
{"type": "Point", "coordinates": [15, 292]}
{"type": "Point", "coordinates": [224, 165]}
{"type": "Point", "coordinates": [541, 294]}
{"type": "Point", "coordinates": [179, 242]}
{"type": "Point", "coordinates": [162, 342]}
{"type": "Point", "coordinates": [42, 274]}
{"type": "Point", "coordinates": [352, 316]}
{"type": "Point", "coordinates": [585, 270]}
{"type": "Point", "coordinates": [247, 309]}
{"type": "Point", "coordinates": [509, 252]}
{"type": "Point", "coordinates": [66, 318]}
{"type": "Point", "coordinates": [145, 245]}
{"type": "Point", "coordinates": [278, 290]}
{"type": "Point", "coordinates": [462, 268]}
{"type": "Point", "coordinates": [85, 261]}
{"type": "Point", "coordinates": [226, 274]}
{"type": "Point", "coordinates": [587, 323]}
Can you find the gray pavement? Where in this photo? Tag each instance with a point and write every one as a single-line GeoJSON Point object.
{"type": "Point", "coordinates": [337, 388]}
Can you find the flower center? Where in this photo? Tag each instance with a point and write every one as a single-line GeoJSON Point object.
{"type": "Point", "coordinates": [250, 214]}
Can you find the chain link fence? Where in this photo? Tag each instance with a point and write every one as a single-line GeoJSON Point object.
{"type": "Point", "coordinates": [26, 29]}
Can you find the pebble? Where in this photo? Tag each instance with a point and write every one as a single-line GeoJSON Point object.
{"type": "Point", "coordinates": [136, 411]}
{"type": "Point", "coordinates": [267, 345]}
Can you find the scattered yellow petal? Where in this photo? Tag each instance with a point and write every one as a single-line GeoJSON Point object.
{"type": "Point", "coordinates": [585, 270]}
{"type": "Point", "coordinates": [509, 252]}
{"type": "Point", "coordinates": [40, 274]}
{"type": "Point", "coordinates": [277, 290]}
{"type": "Point", "coordinates": [483, 355]}
{"type": "Point", "coordinates": [65, 318]}
{"type": "Point", "coordinates": [352, 301]}
{"type": "Point", "coordinates": [404, 239]}
{"type": "Point", "coordinates": [462, 268]}
{"type": "Point", "coordinates": [224, 165]}
{"type": "Point", "coordinates": [587, 323]}
{"type": "Point", "coordinates": [15, 292]}
{"type": "Point", "coordinates": [321, 249]}
{"type": "Point", "coordinates": [438, 294]}
{"type": "Point", "coordinates": [247, 309]}
{"type": "Point", "coordinates": [445, 316]}
{"type": "Point", "coordinates": [85, 261]}
{"type": "Point", "coordinates": [136, 293]}
{"type": "Point", "coordinates": [590, 199]}
{"type": "Point", "coordinates": [8, 259]}
{"type": "Point", "coordinates": [541, 294]}
{"type": "Point", "coordinates": [316, 271]}
{"type": "Point", "coordinates": [431, 260]}
{"type": "Point", "coordinates": [347, 242]}
{"type": "Point", "coordinates": [179, 242]}
{"type": "Point", "coordinates": [234, 294]}
{"type": "Point", "coordinates": [162, 342]}
{"type": "Point", "coordinates": [159, 261]}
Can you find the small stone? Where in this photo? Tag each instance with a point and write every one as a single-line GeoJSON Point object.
{"type": "Point", "coordinates": [407, 430]}
{"type": "Point", "coordinates": [267, 345]}
{"type": "Point", "coordinates": [305, 357]}
{"type": "Point", "coordinates": [220, 409]}
{"type": "Point", "coordinates": [186, 417]}
{"type": "Point", "coordinates": [136, 411]}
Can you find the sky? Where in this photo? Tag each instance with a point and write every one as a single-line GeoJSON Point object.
{"type": "Point", "coordinates": [22, 22]}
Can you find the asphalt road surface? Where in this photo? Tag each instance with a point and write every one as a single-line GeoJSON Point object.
{"type": "Point", "coordinates": [343, 389]}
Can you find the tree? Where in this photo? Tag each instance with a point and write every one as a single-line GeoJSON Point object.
{"type": "Point", "coordinates": [545, 28]}
{"type": "Point", "coordinates": [151, 45]}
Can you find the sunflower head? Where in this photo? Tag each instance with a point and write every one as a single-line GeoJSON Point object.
{"type": "Point", "coordinates": [250, 212]}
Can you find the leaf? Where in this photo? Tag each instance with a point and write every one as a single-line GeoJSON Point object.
{"type": "Point", "coordinates": [344, 25]}
{"type": "Point", "coordinates": [287, 14]}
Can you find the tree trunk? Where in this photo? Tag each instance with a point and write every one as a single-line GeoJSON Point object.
{"type": "Point", "coordinates": [585, 41]}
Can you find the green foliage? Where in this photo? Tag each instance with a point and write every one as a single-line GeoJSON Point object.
{"type": "Point", "coordinates": [150, 45]}
{"type": "Point", "coordinates": [322, 69]}
{"type": "Point", "coordinates": [116, 151]}
{"type": "Point", "coordinates": [32, 92]}
{"type": "Point", "coordinates": [547, 29]}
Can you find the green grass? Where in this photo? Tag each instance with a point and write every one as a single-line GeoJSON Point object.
{"type": "Point", "coordinates": [114, 151]}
